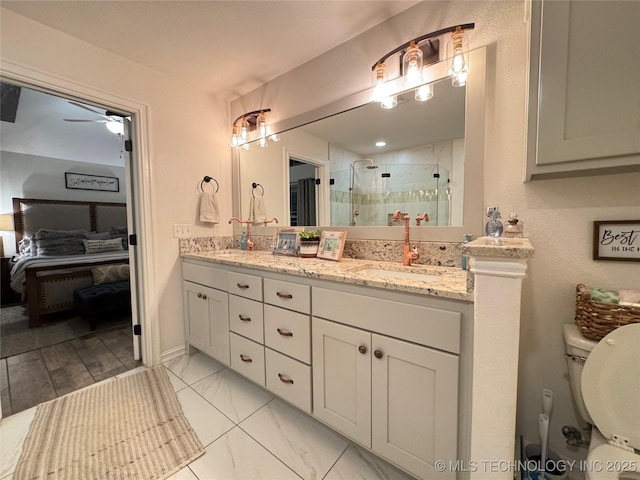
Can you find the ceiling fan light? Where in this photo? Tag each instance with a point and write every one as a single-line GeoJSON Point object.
{"type": "Point", "coordinates": [115, 127]}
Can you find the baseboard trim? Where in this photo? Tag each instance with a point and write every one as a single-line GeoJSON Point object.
{"type": "Point", "coordinates": [172, 353]}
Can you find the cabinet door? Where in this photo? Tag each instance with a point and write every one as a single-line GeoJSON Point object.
{"type": "Point", "coordinates": [342, 378]}
{"type": "Point", "coordinates": [584, 93]}
{"type": "Point", "coordinates": [196, 316]}
{"type": "Point", "coordinates": [414, 405]}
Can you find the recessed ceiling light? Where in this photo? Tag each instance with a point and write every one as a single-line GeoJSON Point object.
{"type": "Point", "coordinates": [380, 144]}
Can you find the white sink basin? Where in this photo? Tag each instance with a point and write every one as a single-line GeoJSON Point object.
{"type": "Point", "coordinates": [423, 277]}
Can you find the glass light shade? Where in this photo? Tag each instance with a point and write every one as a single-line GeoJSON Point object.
{"type": "Point", "coordinates": [246, 146]}
{"type": "Point", "coordinates": [262, 142]}
{"type": "Point", "coordinates": [412, 65]}
{"type": "Point", "coordinates": [243, 130]}
{"type": "Point", "coordinates": [274, 137]}
{"type": "Point", "coordinates": [459, 80]}
{"type": "Point", "coordinates": [115, 127]}
{"type": "Point", "coordinates": [379, 87]}
{"type": "Point", "coordinates": [424, 93]}
{"type": "Point", "coordinates": [234, 136]}
{"type": "Point", "coordinates": [457, 54]}
{"type": "Point", "coordinates": [389, 102]}
{"type": "Point", "coordinates": [262, 125]}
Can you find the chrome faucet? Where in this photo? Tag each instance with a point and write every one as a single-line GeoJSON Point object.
{"type": "Point", "coordinates": [248, 222]}
{"type": "Point", "coordinates": [408, 254]}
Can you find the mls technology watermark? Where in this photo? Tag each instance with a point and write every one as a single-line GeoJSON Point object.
{"type": "Point", "coordinates": [497, 466]}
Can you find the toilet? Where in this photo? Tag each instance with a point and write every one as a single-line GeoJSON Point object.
{"type": "Point", "coordinates": [605, 383]}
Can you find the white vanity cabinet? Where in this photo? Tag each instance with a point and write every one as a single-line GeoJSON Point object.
{"type": "Point", "coordinates": [583, 92]}
{"type": "Point", "coordinates": [392, 395]}
{"type": "Point", "coordinates": [206, 310]}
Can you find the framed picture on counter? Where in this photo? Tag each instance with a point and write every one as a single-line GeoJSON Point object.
{"type": "Point", "coordinates": [286, 241]}
{"type": "Point", "coordinates": [332, 244]}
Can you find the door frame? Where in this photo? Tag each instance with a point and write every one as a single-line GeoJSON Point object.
{"type": "Point", "coordinates": [322, 190]}
{"type": "Point", "coordinates": [141, 211]}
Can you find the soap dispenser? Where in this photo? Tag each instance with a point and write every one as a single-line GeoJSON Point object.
{"type": "Point", "coordinates": [243, 241]}
{"type": "Point", "coordinates": [494, 227]}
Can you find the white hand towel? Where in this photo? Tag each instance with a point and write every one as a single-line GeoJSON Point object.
{"type": "Point", "coordinates": [209, 211]}
{"type": "Point", "coordinates": [251, 216]}
{"type": "Point", "coordinates": [259, 209]}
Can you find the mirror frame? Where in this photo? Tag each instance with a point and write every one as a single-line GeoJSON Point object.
{"type": "Point", "coordinates": [473, 204]}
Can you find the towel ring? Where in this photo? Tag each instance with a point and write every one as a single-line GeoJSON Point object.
{"type": "Point", "coordinates": [207, 179]}
{"type": "Point", "coordinates": [255, 185]}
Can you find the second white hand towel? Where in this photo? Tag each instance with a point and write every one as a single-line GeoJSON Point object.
{"type": "Point", "coordinates": [259, 210]}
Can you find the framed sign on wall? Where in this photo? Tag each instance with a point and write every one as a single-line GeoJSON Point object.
{"type": "Point", "coordinates": [82, 181]}
{"type": "Point", "coordinates": [617, 240]}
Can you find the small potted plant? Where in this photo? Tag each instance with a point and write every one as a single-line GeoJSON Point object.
{"type": "Point", "coordinates": [309, 243]}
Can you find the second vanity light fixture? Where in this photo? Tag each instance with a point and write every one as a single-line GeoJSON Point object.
{"type": "Point", "coordinates": [248, 122]}
{"type": "Point", "coordinates": [412, 64]}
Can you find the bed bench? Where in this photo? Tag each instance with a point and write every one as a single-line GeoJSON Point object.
{"type": "Point", "coordinates": [99, 299]}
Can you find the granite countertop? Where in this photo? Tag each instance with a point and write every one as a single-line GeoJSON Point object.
{"type": "Point", "coordinates": [499, 247]}
{"type": "Point", "coordinates": [449, 282]}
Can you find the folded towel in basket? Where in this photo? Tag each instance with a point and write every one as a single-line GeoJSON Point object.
{"type": "Point", "coordinates": [209, 211]}
{"type": "Point", "coordinates": [630, 297]}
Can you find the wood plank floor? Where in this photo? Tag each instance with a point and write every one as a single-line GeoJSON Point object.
{"type": "Point", "coordinates": [41, 375]}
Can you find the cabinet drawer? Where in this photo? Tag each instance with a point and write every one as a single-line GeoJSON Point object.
{"type": "Point", "coordinates": [289, 379]}
{"type": "Point", "coordinates": [288, 332]}
{"type": "Point", "coordinates": [248, 286]}
{"type": "Point", "coordinates": [433, 327]}
{"type": "Point", "coordinates": [247, 358]}
{"type": "Point", "coordinates": [205, 275]}
{"type": "Point", "coordinates": [287, 295]}
{"type": "Point", "coordinates": [245, 318]}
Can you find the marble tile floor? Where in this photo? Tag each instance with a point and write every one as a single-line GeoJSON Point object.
{"type": "Point", "coordinates": [247, 432]}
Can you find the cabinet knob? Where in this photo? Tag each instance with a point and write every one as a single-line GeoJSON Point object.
{"type": "Point", "coordinates": [199, 295]}
{"type": "Point", "coordinates": [362, 349]}
{"type": "Point", "coordinates": [284, 379]}
{"type": "Point", "coordinates": [242, 286]}
{"type": "Point", "coordinates": [204, 297]}
{"type": "Point", "coordinates": [244, 319]}
{"type": "Point", "coordinates": [285, 333]}
{"type": "Point", "coordinates": [378, 354]}
{"type": "Point", "coordinates": [284, 295]}
{"type": "Point", "coordinates": [245, 358]}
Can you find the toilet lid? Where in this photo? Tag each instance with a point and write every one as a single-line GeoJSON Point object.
{"type": "Point", "coordinates": [611, 384]}
{"type": "Point", "coordinates": [608, 462]}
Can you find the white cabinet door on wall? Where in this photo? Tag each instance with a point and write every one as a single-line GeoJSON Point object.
{"type": "Point", "coordinates": [342, 378]}
{"type": "Point", "coordinates": [207, 320]}
{"type": "Point", "coordinates": [584, 100]}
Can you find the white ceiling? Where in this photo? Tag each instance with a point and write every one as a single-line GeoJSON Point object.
{"type": "Point", "coordinates": [227, 48]}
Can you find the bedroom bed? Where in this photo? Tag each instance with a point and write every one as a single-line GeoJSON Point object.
{"type": "Point", "coordinates": [59, 242]}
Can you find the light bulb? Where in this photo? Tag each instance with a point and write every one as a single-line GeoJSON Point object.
{"type": "Point", "coordinates": [389, 102]}
{"type": "Point", "coordinates": [424, 93]}
{"type": "Point", "coordinates": [459, 66]}
{"type": "Point", "coordinates": [262, 142]}
{"type": "Point", "coordinates": [262, 125]}
{"type": "Point", "coordinates": [412, 64]}
{"type": "Point", "coordinates": [379, 87]}
{"type": "Point", "coordinates": [243, 131]}
{"type": "Point", "coordinates": [234, 136]}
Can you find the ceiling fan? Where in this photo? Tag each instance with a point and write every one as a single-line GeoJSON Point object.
{"type": "Point", "coordinates": [113, 122]}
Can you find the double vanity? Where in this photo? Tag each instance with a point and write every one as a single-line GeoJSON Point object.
{"type": "Point", "coordinates": [380, 352]}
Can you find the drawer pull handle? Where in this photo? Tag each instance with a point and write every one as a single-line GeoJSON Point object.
{"type": "Point", "coordinates": [285, 380]}
{"type": "Point", "coordinates": [378, 354]}
{"type": "Point", "coordinates": [284, 295]}
{"type": "Point", "coordinates": [242, 286]}
{"type": "Point", "coordinates": [362, 349]}
{"type": "Point", "coordinates": [199, 295]}
{"type": "Point", "coordinates": [204, 297]}
{"type": "Point", "coordinates": [244, 319]}
{"type": "Point", "coordinates": [245, 358]}
{"type": "Point", "coordinates": [285, 333]}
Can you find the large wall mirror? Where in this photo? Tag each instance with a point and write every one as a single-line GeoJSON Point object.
{"type": "Point", "coordinates": [326, 169]}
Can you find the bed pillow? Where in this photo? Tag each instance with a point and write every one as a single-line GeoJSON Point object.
{"type": "Point", "coordinates": [101, 246]}
{"type": "Point", "coordinates": [60, 242]}
{"type": "Point", "coordinates": [120, 232]}
{"type": "Point", "coordinates": [110, 273]}
{"type": "Point", "coordinates": [27, 247]}
{"type": "Point", "coordinates": [99, 236]}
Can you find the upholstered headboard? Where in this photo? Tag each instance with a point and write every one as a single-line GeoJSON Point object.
{"type": "Point", "coordinates": [30, 215]}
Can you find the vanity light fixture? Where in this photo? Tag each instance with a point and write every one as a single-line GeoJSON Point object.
{"type": "Point", "coordinates": [414, 55]}
{"type": "Point", "coordinates": [250, 121]}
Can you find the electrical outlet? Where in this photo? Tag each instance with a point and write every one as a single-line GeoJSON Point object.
{"type": "Point", "coordinates": [181, 230]}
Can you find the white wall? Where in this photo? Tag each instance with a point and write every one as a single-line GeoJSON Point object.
{"type": "Point", "coordinates": [29, 176]}
{"type": "Point", "coordinates": [557, 214]}
{"type": "Point", "coordinates": [187, 140]}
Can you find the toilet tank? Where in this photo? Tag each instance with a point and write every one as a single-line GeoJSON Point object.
{"type": "Point", "coordinates": [577, 349]}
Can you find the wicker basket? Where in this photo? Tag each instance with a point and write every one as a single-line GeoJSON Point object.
{"type": "Point", "coordinates": [596, 319]}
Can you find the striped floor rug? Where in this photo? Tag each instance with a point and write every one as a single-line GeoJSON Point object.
{"type": "Point", "coordinates": [129, 428]}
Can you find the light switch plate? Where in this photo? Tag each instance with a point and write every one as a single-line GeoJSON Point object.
{"type": "Point", "coordinates": [181, 230]}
